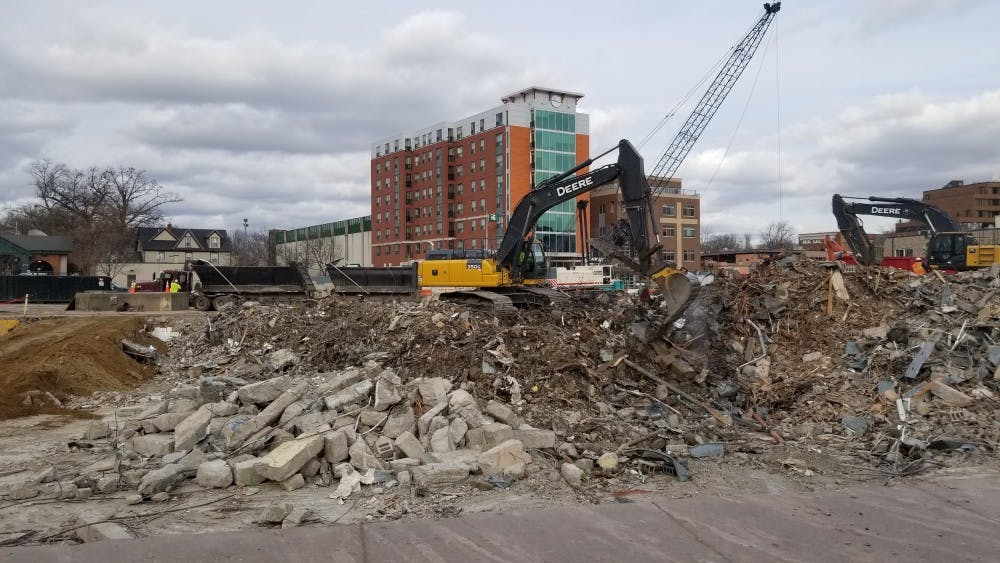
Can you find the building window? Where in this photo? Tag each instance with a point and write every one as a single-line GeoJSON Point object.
{"type": "Point", "coordinates": [669, 231]}
{"type": "Point", "coordinates": [688, 232]}
{"type": "Point", "coordinates": [669, 210]}
{"type": "Point", "coordinates": [670, 256]}
{"type": "Point", "coordinates": [904, 252]}
{"type": "Point", "coordinates": [689, 210]}
{"type": "Point", "coordinates": [689, 256]}
{"type": "Point", "coordinates": [499, 119]}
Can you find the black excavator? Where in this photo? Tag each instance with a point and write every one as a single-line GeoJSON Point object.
{"type": "Point", "coordinates": [514, 276]}
{"type": "Point", "coordinates": [949, 248]}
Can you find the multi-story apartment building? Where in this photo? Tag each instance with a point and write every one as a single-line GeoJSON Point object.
{"type": "Point", "coordinates": [676, 211]}
{"type": "Point", "coordinates": [453, 184]}
{"type": "Point", "coordinates": [972, 205]}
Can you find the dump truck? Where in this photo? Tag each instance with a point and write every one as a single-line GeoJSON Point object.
{"type": "Point", "coordinates": [213, 287]}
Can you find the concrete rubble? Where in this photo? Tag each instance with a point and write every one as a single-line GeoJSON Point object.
{"type": "Point", "coordinates": [391, 403]}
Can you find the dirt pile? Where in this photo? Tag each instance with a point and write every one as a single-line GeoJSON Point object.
{"type": "Point", "coordinates": [46, 361]}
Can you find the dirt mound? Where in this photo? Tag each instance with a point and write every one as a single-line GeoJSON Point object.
{"type": "Point", "coordinates": [65, 357]}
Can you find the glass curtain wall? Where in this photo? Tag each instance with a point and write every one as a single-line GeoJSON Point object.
{"type": "Point", "coordinates": [554, 152]}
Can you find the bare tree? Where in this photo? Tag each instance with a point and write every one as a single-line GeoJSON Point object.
{"type": "Point", "coordinates": [747, 241]}
{"type": "Point", "coordinates": [249, 248]}
{"type": "Point", "coordinates": [135, 199]}
{"type": "Point", "coordinates": [99, 208]}
{"type": "Point", "coordinates": [720, 242]}
{"type": "Point", "coordinates": [779, 235]}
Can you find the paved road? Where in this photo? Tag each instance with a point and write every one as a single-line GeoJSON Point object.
{"type": "Point", "coordinates": [947, 518]}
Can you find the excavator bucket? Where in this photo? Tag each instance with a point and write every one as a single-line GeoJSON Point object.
{"type": "Point", "coordinates": [674, 293]}
{"type": "Point", "coordinates": [677, 292]}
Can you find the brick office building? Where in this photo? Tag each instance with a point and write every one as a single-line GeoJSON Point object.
{"type": "Point", "coordinates": [676, 211]}
{"type": "Point", "coordinates": [973, 205]}
{"type": "Point", "coordinates": [452, 185]}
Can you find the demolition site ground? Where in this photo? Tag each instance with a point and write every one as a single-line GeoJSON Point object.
{"type": "Point", "coordinates": [338, 410]}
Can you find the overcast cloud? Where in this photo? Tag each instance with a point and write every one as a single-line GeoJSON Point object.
{"type": "Point", "coordinates": [266, 111]}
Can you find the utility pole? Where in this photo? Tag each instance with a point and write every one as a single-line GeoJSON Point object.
{"type": "Point", "coordinates": [245, 224]}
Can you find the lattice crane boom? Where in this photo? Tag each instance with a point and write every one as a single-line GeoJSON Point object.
{"type": "Point", "coordinates": [713, 97]}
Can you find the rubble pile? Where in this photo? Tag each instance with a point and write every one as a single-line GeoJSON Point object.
{"type": "Point", "coordinates": [892, 367]}
{"type": "Point", "coordinates": [802, 369]}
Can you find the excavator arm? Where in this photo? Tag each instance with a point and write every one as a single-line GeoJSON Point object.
{"type": "Point", "coordinates": [628, 170]}
{"type": "Point", "coordinates": [850, 225]}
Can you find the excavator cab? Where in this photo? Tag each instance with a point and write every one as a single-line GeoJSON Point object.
{"type": "Point", "coordinates": [534, 263]}
{"type": "Point", "coordinates": [956, 251]}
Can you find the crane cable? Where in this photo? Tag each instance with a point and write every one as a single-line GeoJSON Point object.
{"type": "Point", "coordinates": [697, 87]}
{"type": "Point", "coordinates": [777, 95]}
{"type": "Point", "coordinates": [746, 106]}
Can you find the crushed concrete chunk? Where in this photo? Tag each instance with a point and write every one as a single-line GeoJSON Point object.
{"type": "Point", "coordinates": [162, 479]}
{"type": "Point", "coordinates": [387, 390]}
{"type": "Point", "coordinates": [103, 531]}
{"type": "Point", "coordinates": [410, 445]}
{"type": "Point", "coordinates": [245, 473]}
{"type": "Point", "coordinates": [214, 474]}
{"type": "Point", "coordinates": [335, 448]}
{"type": "Point", "coordinates": [401, 419]}
{"type": "Point", "coordinates": [275, 513]}
{"type": "Point", "coordinates": [572, 474]}
{"type": "Point", "coordinates": [508, 458]}
{"type": "Point", "coordinates": [149, 445]}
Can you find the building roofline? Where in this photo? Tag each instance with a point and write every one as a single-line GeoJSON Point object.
{"type": "Point", "coordinates": [540, 88]}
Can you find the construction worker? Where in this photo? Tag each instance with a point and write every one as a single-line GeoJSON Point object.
{"type": "Point", "coordinates": [918, 267]}
{"type": "Point", "coordinates": [174, 286]}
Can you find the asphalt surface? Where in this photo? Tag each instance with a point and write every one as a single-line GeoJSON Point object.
{"type": "Point", "coordinates": [951, 518]}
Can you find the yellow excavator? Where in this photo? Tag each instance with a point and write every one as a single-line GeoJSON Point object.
{"type": "Point", "coordinates": [516, 274]}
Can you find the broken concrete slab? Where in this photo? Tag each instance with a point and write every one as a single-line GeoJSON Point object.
{"type": "Point", "coordinates": [440, 473]}
{"type": "Point", "coordinates": [289, 457]}
{"type": "Point", "coordinates": [192, 429]}
{"type": "Point", "coordinates": [354, 394]}
{"type": "Point", "coordinates": [263, 391]}
{"type": "Point", "coordinates": [149, 445]}
{"type": "Point", "coordinates": [267, 416]}
{"type": "Point", "coordinates": [535, 438]}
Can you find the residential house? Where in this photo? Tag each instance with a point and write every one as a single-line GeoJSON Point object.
{"type": "Point", "coordinates": [170, 248]}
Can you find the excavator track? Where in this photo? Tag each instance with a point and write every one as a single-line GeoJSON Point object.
{"type": "Point", "coordinates": [500, 304]}
{"type": "Point", "coordinates": [507, 300]}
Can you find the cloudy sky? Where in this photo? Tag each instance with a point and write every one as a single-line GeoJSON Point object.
{"type": "Point", "coordinates": [266, 110]}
